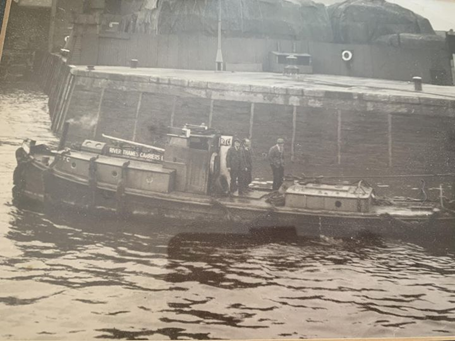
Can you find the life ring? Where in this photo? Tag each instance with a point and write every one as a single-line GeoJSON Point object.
{"type": "Point", "coordinates": [213, 163]}
{"type": "Point", "coordinates": [346, 55]}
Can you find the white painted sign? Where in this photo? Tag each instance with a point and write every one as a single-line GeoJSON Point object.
{"type": "Point", "coordinates": [148, 155]}
{"type": "Point", "coordinates": [226, 141]}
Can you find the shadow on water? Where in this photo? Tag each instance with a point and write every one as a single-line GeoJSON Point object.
{"type": "Point", "coordinates": [367, 275]}
{"type": "Point", "coordinates": [70, 230]}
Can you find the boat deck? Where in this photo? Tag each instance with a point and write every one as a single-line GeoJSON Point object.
{"type": "Point", "coordinates": [255, 199]}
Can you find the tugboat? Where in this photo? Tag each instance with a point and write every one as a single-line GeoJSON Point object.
{"type": "Point", "coordinates": [187, 179]}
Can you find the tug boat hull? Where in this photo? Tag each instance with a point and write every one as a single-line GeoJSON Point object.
{"type": "Point", "coordinates": [40, 178]}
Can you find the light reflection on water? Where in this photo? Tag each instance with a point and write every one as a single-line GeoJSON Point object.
{"type": "Point", "coordinates": [69, 276]}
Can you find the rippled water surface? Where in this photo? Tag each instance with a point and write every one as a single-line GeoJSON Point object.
{"type": "Point", "coordinates": [75, 277]}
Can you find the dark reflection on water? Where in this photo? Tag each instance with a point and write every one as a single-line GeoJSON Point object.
{"type": "Point", "coordinates": [69, 276]}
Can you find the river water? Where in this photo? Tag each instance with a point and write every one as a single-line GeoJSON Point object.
{"type": "Point", "coordinates": [73, 277]}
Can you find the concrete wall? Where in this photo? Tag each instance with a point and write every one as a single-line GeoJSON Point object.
{"type": "Point", "coordinates": [27, 33]}
{"type": "Point", "coordinates": [198, 52]}
{"type": "Point", "coordinates": [63, 21]}
{"type": "Point", "coordinates": [333, 133]}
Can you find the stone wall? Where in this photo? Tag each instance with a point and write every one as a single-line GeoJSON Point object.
{"type": "Point", "coordinates": [26, 34]}
{"type": "Point", "coordinates": [333, 133]}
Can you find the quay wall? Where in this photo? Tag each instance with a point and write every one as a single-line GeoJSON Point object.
{"type": "Point", "coordinates": [431, 62]}
{"type": "Point", "coordinates": [331, 133]}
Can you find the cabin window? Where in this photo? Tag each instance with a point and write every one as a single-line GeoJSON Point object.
{"type": "Point", "coordinates": [338, 204]}
{"type": "Point", "coordinates": [73, 164]}
{"type": "Point", "coordinates": [114, 173]}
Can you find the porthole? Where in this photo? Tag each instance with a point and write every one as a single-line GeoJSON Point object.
{"type": "Point", "coordinates": [114, 173]}
{"type": "Point", "coordinates": [73, 164]}
{"type": "Point", "coordinates": [338, 204]}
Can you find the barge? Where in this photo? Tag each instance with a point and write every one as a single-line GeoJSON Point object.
{"type": "Point", "coordinates": [187, 181]}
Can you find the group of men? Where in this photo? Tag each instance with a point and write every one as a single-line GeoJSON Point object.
{"type": "Point", "coordinates": [240, 165]}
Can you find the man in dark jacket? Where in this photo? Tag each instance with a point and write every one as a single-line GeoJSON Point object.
{"type": "Point", "coordinates": [235, 166]}
{"type": "Point", "coordinates": [247, 178]}
{"type": "Point", "coordinates": [276, 159]}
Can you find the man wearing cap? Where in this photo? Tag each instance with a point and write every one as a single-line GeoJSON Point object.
{"type": "Point", "coordinates": [276, 159]}
{"type": "Point", "coordinates": [235, 165]}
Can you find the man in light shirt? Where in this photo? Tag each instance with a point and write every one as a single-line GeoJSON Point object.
{"type": "Point", "coordinates": [276, 159]}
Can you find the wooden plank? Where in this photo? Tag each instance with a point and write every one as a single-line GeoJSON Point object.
{"type": "Point", "coordinates": [339, 137]}
{"type": "Point", "coordinates": [66, 104]}
{"type": "Point", "coordinates": [389, 123]}
{"type": "Point", "coordinates": [211, 113]}
{"type": "Point", "coordinates": [250, 135]}
{"type": "Point", "coordinates": [294, 128]}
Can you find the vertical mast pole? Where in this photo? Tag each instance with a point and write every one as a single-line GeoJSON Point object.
{"type": "Point", "coordinates": [219, 53]}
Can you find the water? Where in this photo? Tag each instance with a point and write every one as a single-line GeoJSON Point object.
{"type": "Point", "coordinates": [74, 277]}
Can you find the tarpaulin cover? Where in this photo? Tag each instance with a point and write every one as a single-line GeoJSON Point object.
{"type": "Point", "coordinates": [294, 19]}
{"type": "Point", "coordinates": [413, 41]}
{"type": "Point", "coordinates": [364, 21]}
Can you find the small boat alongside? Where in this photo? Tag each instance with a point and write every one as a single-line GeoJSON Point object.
{"type": "Point", "coordinates": [187, 181]}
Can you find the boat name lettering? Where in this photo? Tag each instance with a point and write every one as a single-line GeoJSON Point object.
{"type": "Point", "coordinates": [130, 153]}
{"type": "Point", "coordinates": [133, 153]}
{"type": "Point", "coordinates": [117, 151]}
{"type": "Point", "coordinates": [151, 156]}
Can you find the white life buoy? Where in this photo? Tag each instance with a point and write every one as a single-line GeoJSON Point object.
{"type": "Point", "coordinates": [346, 55]}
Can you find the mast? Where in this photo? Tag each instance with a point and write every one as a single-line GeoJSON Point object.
{"type": "Point", "coordinates": [219, 53]}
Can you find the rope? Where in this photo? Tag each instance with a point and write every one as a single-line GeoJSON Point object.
{"type": "Point", "coordinates": [229, 216]}
{"type": "Point", "coordinates": [275, 199]}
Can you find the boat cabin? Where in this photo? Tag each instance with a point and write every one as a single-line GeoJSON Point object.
{"type": "Point", "coordinates": [192, 152]}
{"type": "Point", "coordinates": [342, 198]}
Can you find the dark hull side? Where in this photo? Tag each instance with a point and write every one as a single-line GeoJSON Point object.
{"type": "Point", "coordinates": [36, 183]}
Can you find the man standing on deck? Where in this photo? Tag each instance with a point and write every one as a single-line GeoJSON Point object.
{"type": "Point", "coordinates": [276, 159]}
{"type": "Point", "coordinates": [248, 169]}
{"type": "Point", "coordinates": [235, 166]}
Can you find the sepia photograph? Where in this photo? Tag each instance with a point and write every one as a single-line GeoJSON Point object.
{"type": "Point", "coordinates": [227, 170]}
